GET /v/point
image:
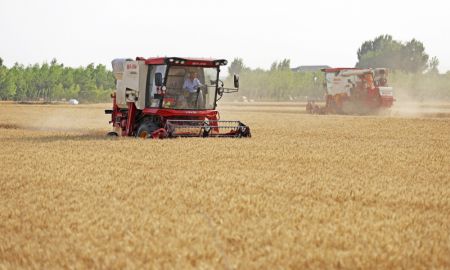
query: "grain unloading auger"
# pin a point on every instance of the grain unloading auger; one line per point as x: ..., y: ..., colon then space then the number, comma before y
x: 169, y: 97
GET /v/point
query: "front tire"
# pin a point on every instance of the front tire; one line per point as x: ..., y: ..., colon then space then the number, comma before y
x: 146, y: 129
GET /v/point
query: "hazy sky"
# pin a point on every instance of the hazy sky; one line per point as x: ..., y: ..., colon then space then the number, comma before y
x: 321, y: 32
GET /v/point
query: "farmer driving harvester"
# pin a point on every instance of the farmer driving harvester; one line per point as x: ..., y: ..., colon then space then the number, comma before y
x: 168, y: 97
x: 192, y: 90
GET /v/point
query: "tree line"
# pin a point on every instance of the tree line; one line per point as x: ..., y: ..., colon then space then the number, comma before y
x: 55, y: 82
x: 283, y: 84
x: 278, y: 83
x: 412, y: 73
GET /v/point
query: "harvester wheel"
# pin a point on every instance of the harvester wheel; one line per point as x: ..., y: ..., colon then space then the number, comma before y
x: 112, y: 134
x: 146, y: 129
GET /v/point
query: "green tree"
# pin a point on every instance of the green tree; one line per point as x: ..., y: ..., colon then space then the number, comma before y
x: 433, y: 65
x: 73, y: 91
x: 236, y: 66
x: 54, y: 82
x: 284, y: 64
x: 384, y: 51
x: 18, y: 72
x: 58, y: 91
x: 414, y: 56
x: 7, y: 84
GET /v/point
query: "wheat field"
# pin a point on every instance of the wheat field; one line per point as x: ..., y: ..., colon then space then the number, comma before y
x: 306, y: 191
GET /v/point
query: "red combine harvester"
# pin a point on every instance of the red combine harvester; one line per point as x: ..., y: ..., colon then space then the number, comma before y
x: 167, y: 97
x: 354, y: 91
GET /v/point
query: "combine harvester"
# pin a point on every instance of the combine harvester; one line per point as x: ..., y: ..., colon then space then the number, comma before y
x: 354, y: 91
x: 150, y: 102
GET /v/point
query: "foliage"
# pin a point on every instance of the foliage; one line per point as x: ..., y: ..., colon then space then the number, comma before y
x: 93, y: 83
x: 433, y: 65
x: 51, y: 82
x: 279, y: 83
x: 284, y: 64
x: 384, y: 51
x: 236, y: 66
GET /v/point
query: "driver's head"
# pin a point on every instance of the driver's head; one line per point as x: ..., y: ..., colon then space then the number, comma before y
x: 193, y: 75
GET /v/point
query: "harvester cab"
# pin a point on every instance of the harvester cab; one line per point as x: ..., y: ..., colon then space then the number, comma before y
x: 354, y: 90
x: 168, y: 97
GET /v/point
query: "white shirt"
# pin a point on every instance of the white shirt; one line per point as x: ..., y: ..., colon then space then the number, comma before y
x: 191, y: 85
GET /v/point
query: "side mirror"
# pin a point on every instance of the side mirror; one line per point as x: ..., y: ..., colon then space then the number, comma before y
x: 158, y: 79
x: 236, y: 80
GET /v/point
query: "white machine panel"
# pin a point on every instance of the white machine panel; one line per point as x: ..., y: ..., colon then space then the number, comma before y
x: 131, y: 82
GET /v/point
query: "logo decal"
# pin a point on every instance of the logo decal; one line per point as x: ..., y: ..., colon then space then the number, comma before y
x: 131, y: 66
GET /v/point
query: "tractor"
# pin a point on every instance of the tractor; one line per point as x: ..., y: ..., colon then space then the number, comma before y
x: 151, y: 101
x: 354, y: 91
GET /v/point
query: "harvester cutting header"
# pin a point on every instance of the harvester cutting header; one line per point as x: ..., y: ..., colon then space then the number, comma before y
x: 168, y: 97
x: 354, y: 90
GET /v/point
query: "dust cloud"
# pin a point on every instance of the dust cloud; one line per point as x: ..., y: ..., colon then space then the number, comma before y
x: 86, y: 119
x: 411, y: 106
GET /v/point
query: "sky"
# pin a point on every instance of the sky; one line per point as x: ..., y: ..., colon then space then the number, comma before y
x: 320, y: 32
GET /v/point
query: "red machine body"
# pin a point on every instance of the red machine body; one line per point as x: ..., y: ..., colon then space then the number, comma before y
x: 150, y: 100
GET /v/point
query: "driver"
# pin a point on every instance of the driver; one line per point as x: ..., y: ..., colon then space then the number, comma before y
x: 191, y: 83
x: 190, y: 86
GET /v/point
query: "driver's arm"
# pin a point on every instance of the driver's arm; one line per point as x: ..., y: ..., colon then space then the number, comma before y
x: 185, y: 86
x: 197, y: 81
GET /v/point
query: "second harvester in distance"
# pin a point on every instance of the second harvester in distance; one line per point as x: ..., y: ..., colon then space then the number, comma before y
x: 354, y: 91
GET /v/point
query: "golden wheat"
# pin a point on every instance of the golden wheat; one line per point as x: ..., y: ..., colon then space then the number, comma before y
x: 304, y: 192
